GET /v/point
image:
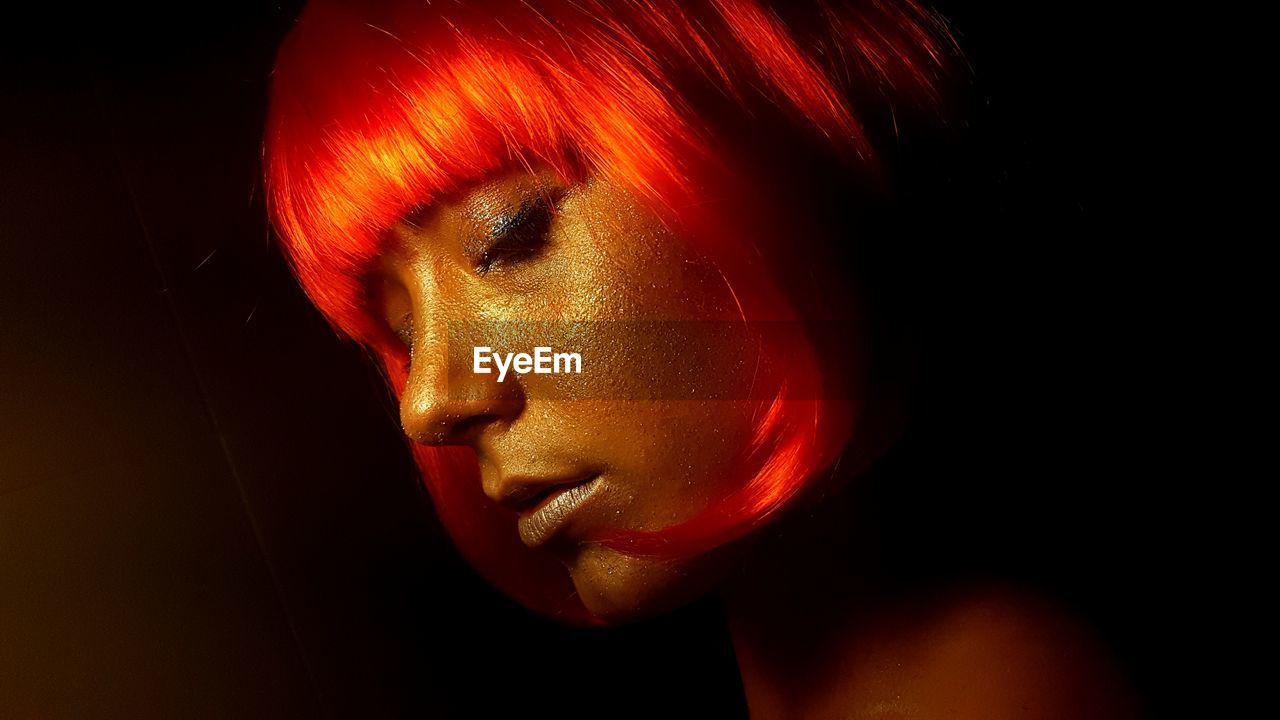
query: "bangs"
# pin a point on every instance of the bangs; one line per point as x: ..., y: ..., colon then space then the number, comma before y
x: 379, y: 108
x: 395, y: 117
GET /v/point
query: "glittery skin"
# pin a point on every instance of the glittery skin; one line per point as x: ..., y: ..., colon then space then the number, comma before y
x: 606, y: 257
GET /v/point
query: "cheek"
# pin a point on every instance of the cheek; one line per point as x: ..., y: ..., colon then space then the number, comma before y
x: 664, y: 461
x: 667, y: 382
x: 660, y: 401
x: 621, y: 262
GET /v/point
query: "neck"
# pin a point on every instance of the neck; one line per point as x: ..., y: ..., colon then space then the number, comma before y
x: 796, y: 608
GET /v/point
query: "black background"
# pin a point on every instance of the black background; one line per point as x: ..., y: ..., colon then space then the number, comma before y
x: 205, y: 507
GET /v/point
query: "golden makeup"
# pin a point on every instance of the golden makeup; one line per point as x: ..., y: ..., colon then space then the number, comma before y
x: 588, y: 457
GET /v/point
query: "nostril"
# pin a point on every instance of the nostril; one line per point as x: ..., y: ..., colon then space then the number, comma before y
x: 435, y: 418
x: 456, y: 432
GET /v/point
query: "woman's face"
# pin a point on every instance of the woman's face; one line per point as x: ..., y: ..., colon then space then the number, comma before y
x: 631, y: 442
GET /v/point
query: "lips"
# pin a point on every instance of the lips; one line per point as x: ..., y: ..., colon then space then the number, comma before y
x: 554, y: 510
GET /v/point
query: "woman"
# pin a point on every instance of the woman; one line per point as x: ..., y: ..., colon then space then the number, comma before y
x: 626, y: 267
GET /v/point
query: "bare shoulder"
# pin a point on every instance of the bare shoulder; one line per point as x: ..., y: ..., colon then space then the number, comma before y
x: 1000, y: 652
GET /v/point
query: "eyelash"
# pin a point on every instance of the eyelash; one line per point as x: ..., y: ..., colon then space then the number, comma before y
x: 517, y: 237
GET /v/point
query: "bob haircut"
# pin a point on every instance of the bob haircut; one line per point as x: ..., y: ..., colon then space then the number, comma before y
x: 381, y: 107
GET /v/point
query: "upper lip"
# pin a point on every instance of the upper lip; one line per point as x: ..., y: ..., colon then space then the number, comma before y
x: 524, y: 494
x: 537, y: 500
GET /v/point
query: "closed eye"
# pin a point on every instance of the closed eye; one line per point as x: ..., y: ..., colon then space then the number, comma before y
x: 518, y: 237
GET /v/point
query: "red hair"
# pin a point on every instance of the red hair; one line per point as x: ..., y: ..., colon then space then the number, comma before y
x: 378, y: 108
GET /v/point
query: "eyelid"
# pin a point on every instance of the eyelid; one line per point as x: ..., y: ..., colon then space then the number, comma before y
x: 532, y: 198
x: 545, y: 200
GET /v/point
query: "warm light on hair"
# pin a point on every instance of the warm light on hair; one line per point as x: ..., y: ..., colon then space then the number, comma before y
x: 381, y: 107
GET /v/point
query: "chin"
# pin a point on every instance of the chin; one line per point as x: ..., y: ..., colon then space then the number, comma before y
x: 618, y: 588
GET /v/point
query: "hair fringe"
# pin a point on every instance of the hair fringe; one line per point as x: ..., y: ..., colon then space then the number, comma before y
x: 381, y: 107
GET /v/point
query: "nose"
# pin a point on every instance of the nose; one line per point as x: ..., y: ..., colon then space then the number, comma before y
x: 443, y: 405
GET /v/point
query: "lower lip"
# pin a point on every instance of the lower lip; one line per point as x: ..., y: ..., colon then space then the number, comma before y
x: 544, y: 523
